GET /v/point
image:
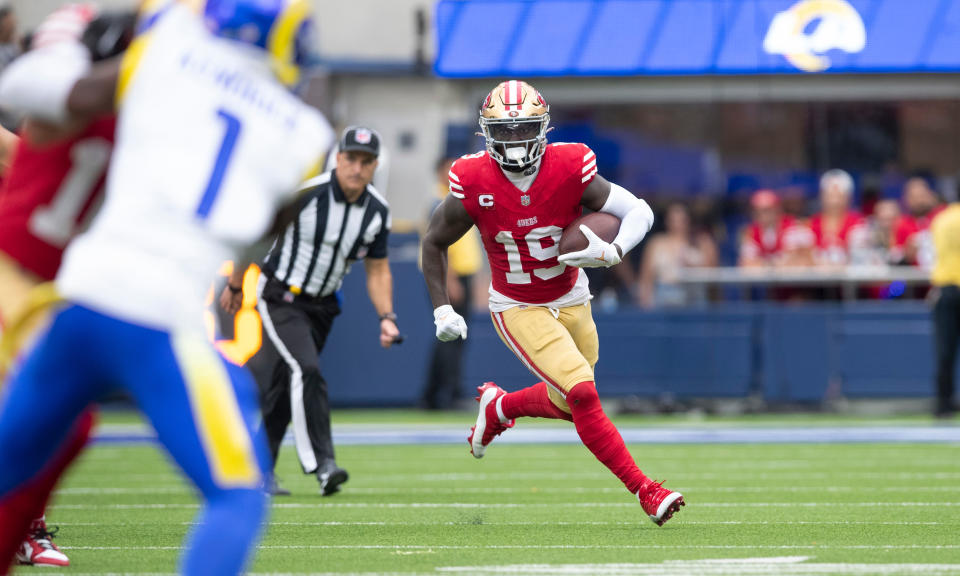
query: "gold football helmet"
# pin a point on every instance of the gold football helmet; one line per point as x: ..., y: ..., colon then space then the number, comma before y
x: 514, y: 119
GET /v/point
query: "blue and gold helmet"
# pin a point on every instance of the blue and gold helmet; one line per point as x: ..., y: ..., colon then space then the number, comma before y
x: 282, y: 28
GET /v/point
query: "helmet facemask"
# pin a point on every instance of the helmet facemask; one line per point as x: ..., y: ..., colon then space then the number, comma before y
x: 516, y: 143
x: 514, y: 120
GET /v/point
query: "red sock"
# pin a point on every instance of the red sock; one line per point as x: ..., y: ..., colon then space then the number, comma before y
x: 18, y: 510
x: 21, y: 508
x: 601, y: 436
x: 533, y: 401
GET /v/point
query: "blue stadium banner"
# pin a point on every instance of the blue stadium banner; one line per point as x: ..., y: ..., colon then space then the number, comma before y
x: 481, y: 38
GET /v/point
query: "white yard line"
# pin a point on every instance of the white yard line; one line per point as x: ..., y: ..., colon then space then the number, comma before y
x: 716, y: 568
x: 338, y: 523
x: 557, y: 547
x: 629, y: 523
x: 772, y: 566
x: 733, y: 567
x: 366, y: 434
x: 625, y: 504
x: 184, y: 489
x: 676, y: 476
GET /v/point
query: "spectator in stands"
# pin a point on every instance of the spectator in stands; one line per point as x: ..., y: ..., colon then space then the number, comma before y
x: 837, y: 229
x: 669, y: 252
x: 465, y: 259
x: 773, y: 238
x: 922, y: 204
x: 793, y: 202
x: 885, y: 241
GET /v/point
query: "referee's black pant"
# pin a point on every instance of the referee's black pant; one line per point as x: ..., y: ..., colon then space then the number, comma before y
x: 946, y: 329
x: 287, y: 371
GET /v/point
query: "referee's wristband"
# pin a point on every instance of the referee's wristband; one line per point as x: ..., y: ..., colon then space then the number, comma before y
x: 389, y: 316
x: 234, y: 289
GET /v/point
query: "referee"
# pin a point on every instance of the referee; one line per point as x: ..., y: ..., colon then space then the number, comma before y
x: 946, y: 312
x: 341, y: 219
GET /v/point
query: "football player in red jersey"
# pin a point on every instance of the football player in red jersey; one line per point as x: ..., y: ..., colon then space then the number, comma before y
x: 521, y: 193
x: 50, y: 189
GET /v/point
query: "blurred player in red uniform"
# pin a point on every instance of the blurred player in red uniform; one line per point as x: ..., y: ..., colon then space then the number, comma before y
x: 521, y: 193
x: 773, y: 238
x: 837, y: 229
x: 51, y: 188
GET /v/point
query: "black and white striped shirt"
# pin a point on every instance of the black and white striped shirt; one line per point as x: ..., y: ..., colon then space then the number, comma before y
x: 329, y: 234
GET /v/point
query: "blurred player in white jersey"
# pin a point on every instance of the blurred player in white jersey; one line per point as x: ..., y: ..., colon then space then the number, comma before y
x: 210, y: 143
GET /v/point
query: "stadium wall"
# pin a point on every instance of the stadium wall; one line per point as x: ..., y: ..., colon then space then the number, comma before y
x: 373, y: 30
x: 785, y: 354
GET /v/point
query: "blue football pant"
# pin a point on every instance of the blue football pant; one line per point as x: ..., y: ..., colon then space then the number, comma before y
x: 203, y: 409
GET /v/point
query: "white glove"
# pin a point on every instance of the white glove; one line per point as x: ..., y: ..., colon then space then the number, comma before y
x: 597, y: 254
x: 450, y: 325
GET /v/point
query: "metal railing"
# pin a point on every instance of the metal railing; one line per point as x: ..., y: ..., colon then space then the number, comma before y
x: 848, y: 278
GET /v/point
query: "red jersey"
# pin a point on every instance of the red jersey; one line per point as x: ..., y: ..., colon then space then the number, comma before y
x: 769, y: 243
x: 48, y: 193
x: 834, y: 247
x: 916, y: 230
x: 905, y: 228
x: 521, y: 230
x: 921, y: 223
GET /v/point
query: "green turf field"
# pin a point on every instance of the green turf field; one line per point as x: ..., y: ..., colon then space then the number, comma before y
x: 546, y: 509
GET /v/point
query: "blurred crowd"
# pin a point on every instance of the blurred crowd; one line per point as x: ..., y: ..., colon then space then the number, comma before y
x: 885, y: 232
x: 784, y: 230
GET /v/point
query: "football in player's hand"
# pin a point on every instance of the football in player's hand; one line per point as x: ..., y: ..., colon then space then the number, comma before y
x: 604, y: 225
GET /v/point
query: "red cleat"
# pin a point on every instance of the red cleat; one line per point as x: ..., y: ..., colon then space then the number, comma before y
x: 658, y: 502
x: 489, y: 424
x: 39, y: 550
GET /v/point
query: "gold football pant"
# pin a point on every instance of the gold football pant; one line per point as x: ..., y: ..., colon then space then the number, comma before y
x: 15, y: 287
x: 558, y: 345
x: 24, y: 307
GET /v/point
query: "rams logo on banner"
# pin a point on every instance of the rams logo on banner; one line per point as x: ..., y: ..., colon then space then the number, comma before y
x: 836, y: 26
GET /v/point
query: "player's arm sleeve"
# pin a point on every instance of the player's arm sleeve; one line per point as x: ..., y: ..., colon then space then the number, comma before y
x: 456, y: 187
x: 150, y: 14
x: 588, y: 165
x: 38, y: 84
x: 379, y: 247
x: 322, y: 157
x: 315, y: 137
x: 636, y: 217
